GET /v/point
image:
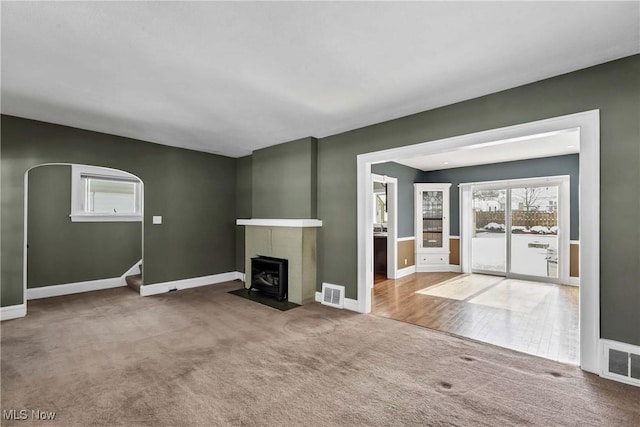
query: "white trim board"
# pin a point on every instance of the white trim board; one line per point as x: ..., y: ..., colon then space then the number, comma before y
x: 589, y: 124
x: 452, y: 268
x: 73, y: 288
x: 266, y: 222
x: 405, y: 239
x: 13, y: 312
x: 193, y: 282
x: 349, y: 304
x: 403, y: 272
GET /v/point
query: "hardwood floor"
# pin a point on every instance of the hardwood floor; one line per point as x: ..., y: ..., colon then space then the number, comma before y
x: 379, y: 278
x: 535, y: 318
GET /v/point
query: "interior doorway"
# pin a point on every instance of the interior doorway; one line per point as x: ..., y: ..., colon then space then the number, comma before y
x: 587, y: 124
x: 83, y: 229
x: 384, y: 195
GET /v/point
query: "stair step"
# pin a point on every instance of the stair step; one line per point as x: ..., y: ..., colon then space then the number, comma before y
x: 134, y: 282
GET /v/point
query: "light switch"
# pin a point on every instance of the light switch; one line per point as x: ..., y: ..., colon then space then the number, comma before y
x: 157, y: 219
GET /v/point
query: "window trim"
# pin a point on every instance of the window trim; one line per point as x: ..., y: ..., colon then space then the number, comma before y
x: 78, y: 213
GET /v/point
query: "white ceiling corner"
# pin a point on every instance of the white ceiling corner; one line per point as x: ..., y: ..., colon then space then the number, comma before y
x: 231, y: 77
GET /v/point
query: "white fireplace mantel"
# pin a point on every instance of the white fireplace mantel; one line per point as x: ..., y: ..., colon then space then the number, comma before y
x: 265, y: 222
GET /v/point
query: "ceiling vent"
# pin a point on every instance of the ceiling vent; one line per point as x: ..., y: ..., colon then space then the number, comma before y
x: 621, y: 362
x: 332, y: 295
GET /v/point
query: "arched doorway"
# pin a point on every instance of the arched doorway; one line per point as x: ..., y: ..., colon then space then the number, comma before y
x: 83, y: 228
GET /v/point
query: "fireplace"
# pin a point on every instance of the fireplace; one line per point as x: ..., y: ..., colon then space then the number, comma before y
x: 269, y: 275
x: 290, y: 239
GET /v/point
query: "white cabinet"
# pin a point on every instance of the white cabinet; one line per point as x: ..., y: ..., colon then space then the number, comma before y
x: 432, y: 227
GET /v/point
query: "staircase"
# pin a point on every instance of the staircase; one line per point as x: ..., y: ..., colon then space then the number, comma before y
x: 133, y: 277
x: 134, y: 282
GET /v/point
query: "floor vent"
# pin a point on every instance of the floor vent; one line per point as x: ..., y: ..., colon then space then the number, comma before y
x: 621, y: 362
x: 332, y: 295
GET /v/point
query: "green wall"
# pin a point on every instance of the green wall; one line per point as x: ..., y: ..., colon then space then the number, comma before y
x: 194, y: 192
x: 613, y: 88
x: 285, y: 180
x: 244, y: 172
x: 61, y: 251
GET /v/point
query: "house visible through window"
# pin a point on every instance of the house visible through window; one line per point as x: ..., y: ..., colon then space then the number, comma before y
x: 100, y: 194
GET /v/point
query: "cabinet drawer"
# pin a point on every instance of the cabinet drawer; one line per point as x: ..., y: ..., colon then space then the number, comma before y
x: 427, y: 259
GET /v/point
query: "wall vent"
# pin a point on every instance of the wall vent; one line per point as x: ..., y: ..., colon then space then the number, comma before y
x: 332, y: 295
x: 621, y: 362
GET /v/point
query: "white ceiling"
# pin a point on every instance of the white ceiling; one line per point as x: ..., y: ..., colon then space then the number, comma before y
x: 532, y: 147
x: 232, y: 77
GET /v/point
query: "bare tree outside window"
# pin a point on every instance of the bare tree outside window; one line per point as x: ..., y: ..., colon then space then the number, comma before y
x: 528, y: 198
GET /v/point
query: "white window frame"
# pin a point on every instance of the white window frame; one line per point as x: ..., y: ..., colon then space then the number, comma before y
x: 564, y: 224
x: 78, y: 213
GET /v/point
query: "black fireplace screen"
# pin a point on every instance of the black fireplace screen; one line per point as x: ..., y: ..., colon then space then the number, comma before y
x: 269, y: 275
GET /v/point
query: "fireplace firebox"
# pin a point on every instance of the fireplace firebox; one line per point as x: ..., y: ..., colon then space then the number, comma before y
x: 269, y: 275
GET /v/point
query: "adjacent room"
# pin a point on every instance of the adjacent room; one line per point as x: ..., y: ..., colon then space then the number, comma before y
x: 509, y: 279
x: 320, y: 213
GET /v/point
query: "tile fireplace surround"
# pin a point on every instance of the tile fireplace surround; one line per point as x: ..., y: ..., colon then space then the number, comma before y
x: 292, y: 239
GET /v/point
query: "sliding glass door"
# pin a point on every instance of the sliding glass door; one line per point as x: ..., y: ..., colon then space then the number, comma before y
x: 534, y: 231
x: 514, y: 227
x: 489, y: 241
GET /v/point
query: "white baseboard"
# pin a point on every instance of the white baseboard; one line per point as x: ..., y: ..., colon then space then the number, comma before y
x: 135, y: 269
x: 438, y: 268
x: 13, y: 312
x: 455, y: 268
x: 349, y: 304
x: 73, y: 288
x: 193, y: 282
x: 405, y: 271
x: 574, y: 281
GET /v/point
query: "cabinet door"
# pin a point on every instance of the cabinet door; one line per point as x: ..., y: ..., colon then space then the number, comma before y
x: 433, y: 218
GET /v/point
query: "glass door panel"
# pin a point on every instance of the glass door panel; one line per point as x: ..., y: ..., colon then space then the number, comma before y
x: 489, y: 241
x: 534, y: 231
x: 432, y: 219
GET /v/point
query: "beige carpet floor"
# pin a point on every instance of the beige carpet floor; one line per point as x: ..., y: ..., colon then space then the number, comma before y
x: 203, y: 357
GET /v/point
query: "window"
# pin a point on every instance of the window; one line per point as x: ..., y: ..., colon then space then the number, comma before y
x: 103, y: 195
